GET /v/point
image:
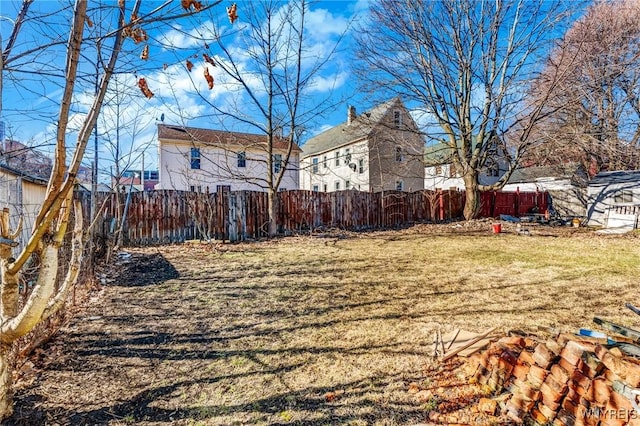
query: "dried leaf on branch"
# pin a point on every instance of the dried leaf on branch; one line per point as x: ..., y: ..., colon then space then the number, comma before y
x: 89, y: 22
x: 189, y: 65
x: 142, y: 84
x: 208, y: 77
x: 187, y: 4
x: 139, y: 35
x: 232, y: 13
x: 208, y: 59
x: 145, y: 53
x: 134, y: 31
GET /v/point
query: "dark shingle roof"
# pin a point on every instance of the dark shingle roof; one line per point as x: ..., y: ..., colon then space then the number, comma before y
x: 346, y: 133
x: 528, y: 174
x: 619, y: 176
x: 220, y: 137
x: 26, y: 176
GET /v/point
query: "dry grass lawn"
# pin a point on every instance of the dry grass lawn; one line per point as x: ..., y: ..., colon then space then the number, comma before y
x: 311, y: 330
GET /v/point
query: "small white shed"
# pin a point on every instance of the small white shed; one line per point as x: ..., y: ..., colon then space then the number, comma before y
x: 565, y: 183
x: 23, y: 195
x: 616, y: 192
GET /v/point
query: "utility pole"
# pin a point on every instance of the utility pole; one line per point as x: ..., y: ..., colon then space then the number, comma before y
x: 2, y: 55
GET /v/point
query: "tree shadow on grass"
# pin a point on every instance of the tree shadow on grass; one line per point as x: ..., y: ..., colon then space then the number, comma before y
x: 143, y: 406
x: 125, y: 338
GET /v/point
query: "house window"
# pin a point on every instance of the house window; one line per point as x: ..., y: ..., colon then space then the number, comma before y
x: 492, y: 168
x: 277, y: 163
x: 337, y: 158
x: 398, y: 153
x: 195, y: 158
x: 438, y: 170
x: 195, y: 188
x: 399, y: 185
x: 150, y: 175
x: 324, y: 187
x: 622, y: 197
x: 347, y: 156
x: 399, y: 157
x: 361, y: 166
x: 397, y: 118
x: 242, y: 159
x: 452, y: 170
x: 337, y: 185
x: 324, y: 161
x: 347, y: 184
x: 315, y: 188
x: 314, y: 167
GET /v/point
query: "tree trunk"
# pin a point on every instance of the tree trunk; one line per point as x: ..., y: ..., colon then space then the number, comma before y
x: 6, y: 392
x: 10, y: 291
x: 272, y: 201
x: 472, y: 196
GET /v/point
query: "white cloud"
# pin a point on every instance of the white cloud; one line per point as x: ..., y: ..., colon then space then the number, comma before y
x: 321, y: 24
x: 179, y: 38
x: 426, y: 122
x: 321, y: 129
x: 327, y: 84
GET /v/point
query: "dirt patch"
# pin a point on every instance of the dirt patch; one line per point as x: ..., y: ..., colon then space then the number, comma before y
x: 332, y: 328
x: 140, y: 269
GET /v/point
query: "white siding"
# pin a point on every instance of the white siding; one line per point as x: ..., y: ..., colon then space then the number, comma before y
x: 219, y: 167
x: 439, y: 178
x: 602, y: 198
x: 328, y: 174
x: 24, y: 199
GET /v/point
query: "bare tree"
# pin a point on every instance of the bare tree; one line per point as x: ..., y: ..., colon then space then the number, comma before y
x: 594, y: 108
x: 49, y: 293
x: 467, y: 64
x: 121, y: 127
x: 269, y: 72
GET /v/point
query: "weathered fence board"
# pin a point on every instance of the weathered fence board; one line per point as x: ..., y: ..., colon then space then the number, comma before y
x: 160, y: 217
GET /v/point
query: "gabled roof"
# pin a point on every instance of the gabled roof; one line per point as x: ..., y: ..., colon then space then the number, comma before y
x: 220, y: 138
x: 559, y: 171
x: 616, y: 177
x: 437, y: 154
x: 29, y: 178
x: 346, y: 133
x: 440, y: 152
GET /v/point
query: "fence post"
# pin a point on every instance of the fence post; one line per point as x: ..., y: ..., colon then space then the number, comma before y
x: 233, y: 213
x: 441, y: 205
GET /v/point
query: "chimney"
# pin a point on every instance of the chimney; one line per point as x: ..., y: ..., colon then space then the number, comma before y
x: 351, y: 114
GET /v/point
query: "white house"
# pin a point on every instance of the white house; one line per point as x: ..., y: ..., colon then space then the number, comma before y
x: 192, y: 159
x: 440, y: 171
x: 617, y: 191
x: 378, y: 150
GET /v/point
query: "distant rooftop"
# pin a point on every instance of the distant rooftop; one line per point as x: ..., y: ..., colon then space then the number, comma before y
x: 616, y: 177
x: 354, y: 128
x: 219, y: 137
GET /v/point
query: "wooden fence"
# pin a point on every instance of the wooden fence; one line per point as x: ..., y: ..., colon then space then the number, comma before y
x: 160, y: 217
x: 496, y: 203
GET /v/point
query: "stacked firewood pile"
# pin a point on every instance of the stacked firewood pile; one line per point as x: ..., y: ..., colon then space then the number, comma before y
x: 567, y: 380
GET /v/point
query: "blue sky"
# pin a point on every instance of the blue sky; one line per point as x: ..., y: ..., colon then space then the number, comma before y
x: 29, y: 107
